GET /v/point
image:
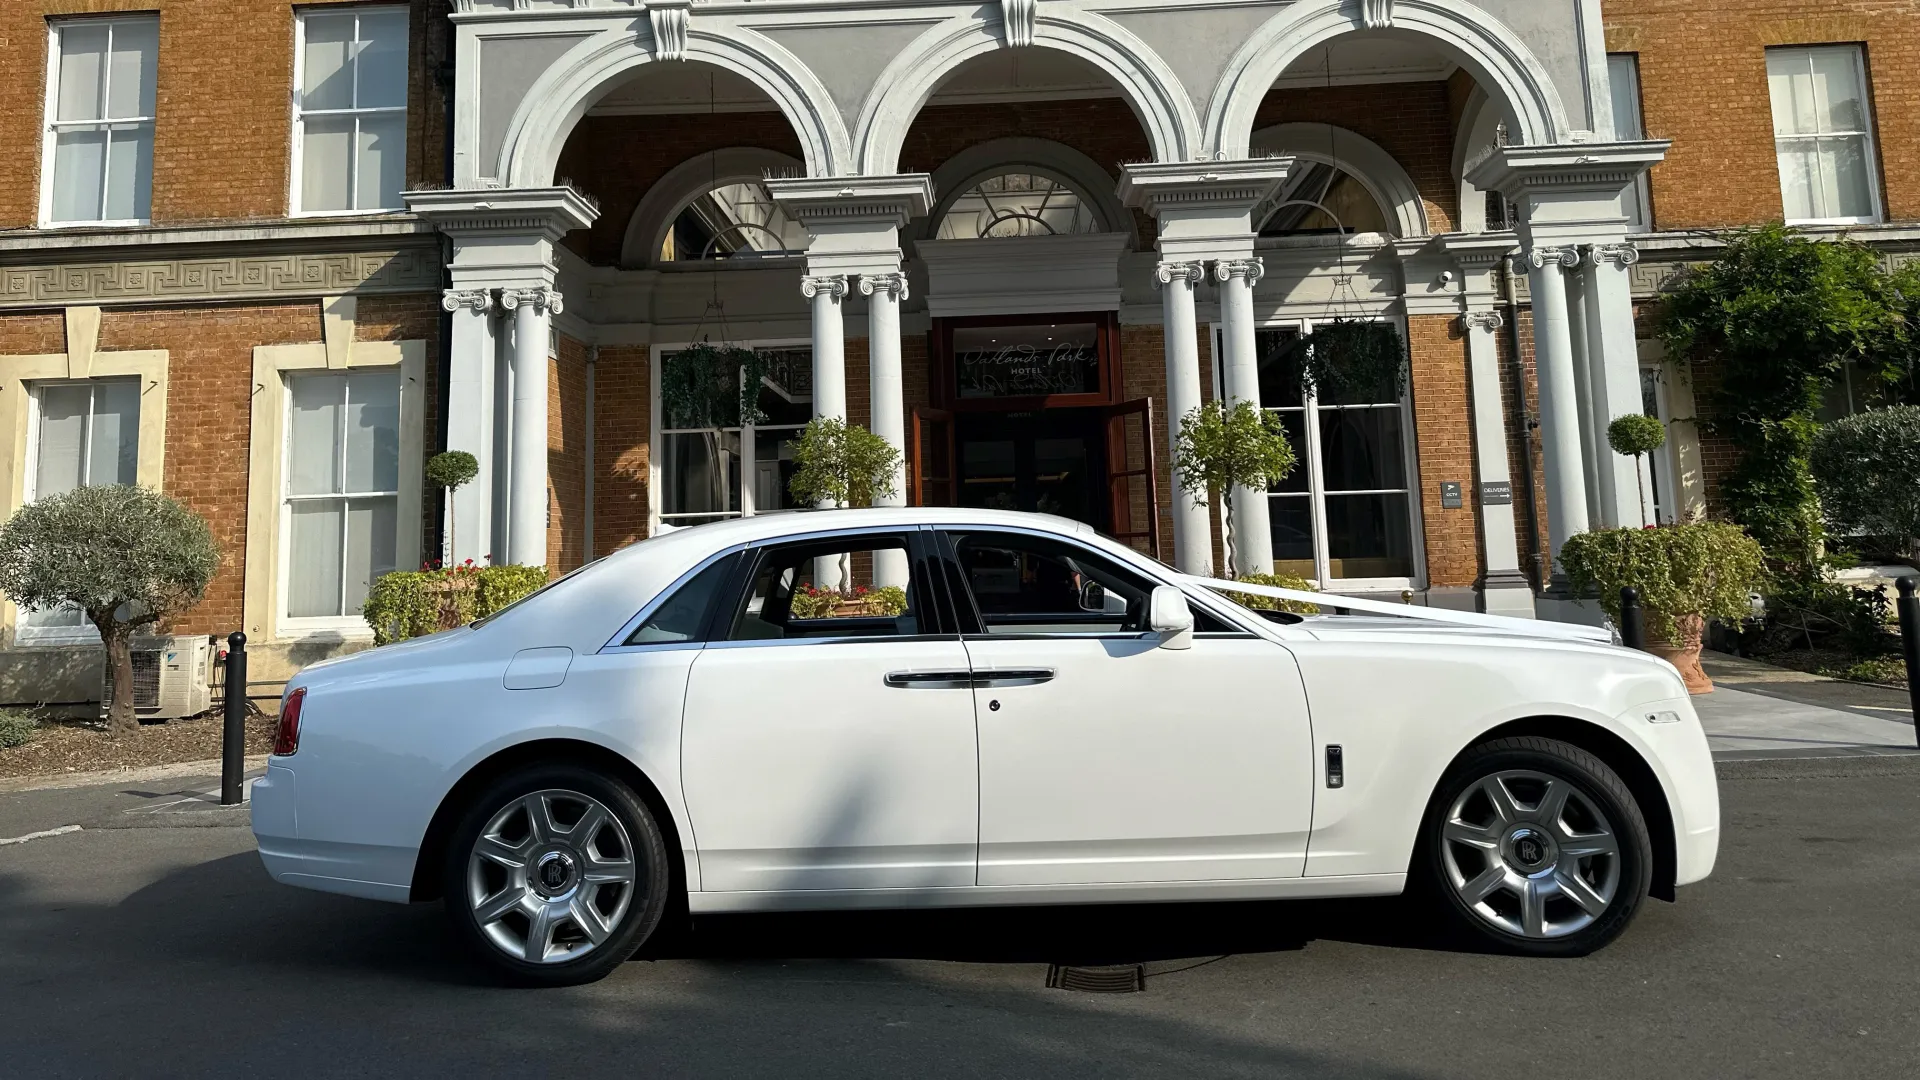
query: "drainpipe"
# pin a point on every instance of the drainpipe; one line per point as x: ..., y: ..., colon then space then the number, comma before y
x: 1527, y: 423
x: 593, y: 361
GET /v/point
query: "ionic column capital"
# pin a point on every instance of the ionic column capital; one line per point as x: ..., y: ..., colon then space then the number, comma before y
x: 894, y: 284
x: 477, y: 301
x: 1620, y: 255
x: 540, y: 298
x: 1251, y: 269
x: 1567, y: 257
x: 1169, y: 272
x: 1488, y: 320
x: 833, y: 285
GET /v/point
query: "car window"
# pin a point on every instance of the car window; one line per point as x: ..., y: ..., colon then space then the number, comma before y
x: 683, y: 615
x: 829, y: 589
x: 1032, y: 585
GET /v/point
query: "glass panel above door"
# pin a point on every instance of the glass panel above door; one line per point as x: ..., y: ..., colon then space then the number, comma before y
x: 1023, y: 361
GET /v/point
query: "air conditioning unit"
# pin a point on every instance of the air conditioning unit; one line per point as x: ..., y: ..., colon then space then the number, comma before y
x: 172, y: 677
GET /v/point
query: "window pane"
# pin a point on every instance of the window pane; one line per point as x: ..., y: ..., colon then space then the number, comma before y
x: 696, y: 394
x: 1798, y: 165
x: 78, y: 160
x: 1018, y: 204
x: 383, y: 60
x: 63, y: 432
x: 1623, y: 81
x: 1362, y: 449
x: 326, y: 164
x: 1291, y: 524
x: 326, y: 77
x: 786, y: 390
x: 1296, y: 425
x: 1836, y: 87
x: 1843, y: 177
x: 383, y: 161
x: 64, y: 617
x: 700, y: 473
x: 373, y: 432
x: 1031, y: 586
x: 313, y: 560
x: 773, y: 468
x: 817, y: 590
x: 681, y: 617
x: 129, y: 173
x: 313, y: 449
x: 1790, y: 85
x: 115, y: 438
x: 83, y: 61
x: 1369, y: 536
x: 372, y: 540
x: 1281, y: 359
x: 130, y: 78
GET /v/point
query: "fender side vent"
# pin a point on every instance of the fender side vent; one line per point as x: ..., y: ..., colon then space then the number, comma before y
x: 1124, y: 979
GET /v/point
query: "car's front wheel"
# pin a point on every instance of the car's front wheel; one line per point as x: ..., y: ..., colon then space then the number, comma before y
x: 556, y: 874
x: 1535, y: 846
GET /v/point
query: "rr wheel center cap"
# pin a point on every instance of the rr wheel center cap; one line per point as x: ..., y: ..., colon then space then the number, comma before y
x: 555, y: 874
x: 1530, y: 849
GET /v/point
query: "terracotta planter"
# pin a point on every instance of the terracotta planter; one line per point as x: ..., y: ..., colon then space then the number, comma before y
x: 1684, y: 652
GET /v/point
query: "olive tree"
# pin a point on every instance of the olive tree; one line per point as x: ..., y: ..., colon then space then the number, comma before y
x: 837, y: 464
x: 126, y: 556
x: 1222, y: 447
x: 1867, y: 469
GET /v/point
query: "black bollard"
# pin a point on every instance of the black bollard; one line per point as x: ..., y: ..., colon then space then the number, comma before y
x: 1910, y: 644
x: 233, y: 737
x: 1633, y: 621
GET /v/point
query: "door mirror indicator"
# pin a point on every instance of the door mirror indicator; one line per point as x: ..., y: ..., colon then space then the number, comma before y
x: 1169, y: 616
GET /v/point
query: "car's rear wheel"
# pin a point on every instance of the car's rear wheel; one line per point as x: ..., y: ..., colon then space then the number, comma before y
x: 556, y: 874
x: 1535, y: 846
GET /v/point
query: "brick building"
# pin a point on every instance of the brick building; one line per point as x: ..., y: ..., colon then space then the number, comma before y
x: 270, y: 257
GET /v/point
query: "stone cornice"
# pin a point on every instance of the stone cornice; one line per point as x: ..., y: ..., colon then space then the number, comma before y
x: 884, y: 200
x: 1514, y: 171
x: 1227, y: 185
x: 552, y: 212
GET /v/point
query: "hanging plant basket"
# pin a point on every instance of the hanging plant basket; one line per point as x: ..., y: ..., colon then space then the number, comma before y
x: 1354, y: 362
x: 712, y: 386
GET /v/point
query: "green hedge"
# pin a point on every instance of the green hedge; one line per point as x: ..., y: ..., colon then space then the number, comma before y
x: 415, y: 603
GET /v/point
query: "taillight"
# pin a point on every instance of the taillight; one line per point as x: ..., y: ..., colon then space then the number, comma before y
x: 286, y: 737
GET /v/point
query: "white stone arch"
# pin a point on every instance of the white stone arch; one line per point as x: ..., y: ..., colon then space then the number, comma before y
x: 1475, y: 139
x: 1061, y: 162
x: 1362, y: 158
x: 685, y: 182
x: 1146, y: 82
x: 561, y: 96
x: 1498, y: 61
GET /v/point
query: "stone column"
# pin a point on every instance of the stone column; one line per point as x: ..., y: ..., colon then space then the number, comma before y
x: 829, y: 344
x: 1559, y: 406
x: 1590, y: 460
x: 1252, y: 537
x: 889, y: 421
x: 469, y: 522
x: 1192, y: 529
x: 1504, y: 587
x: 533, y: 310
x: 1613, y: 378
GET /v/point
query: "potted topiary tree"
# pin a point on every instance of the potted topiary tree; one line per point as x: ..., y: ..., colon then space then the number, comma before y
x: 126, y: 556
x: 1686, y: 574
x: 837, y: 464
x: 1633, y: 435
x: 1222, y: 447
x: 451, y: 470
x: 1867, y: 470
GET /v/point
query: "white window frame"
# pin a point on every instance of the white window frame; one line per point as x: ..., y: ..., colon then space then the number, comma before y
x: 288, y: 499
x: 1866, y: 134
x: 656, y: 494
x: 296, y: 175
x: 1631, y: 128
x: 51, y: 126
x: 1316, y: 495
x: 84, y: 634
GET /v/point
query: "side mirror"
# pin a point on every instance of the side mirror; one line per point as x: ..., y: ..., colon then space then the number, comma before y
x: 1169, y: 616
x: 1093, y: 596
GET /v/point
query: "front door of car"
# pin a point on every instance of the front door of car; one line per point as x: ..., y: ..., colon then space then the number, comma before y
x: 1107, y: 758
x: 829, y: 735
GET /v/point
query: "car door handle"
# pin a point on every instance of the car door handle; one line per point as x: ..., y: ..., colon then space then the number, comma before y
x: 930, y: 680
x: 996, y: 677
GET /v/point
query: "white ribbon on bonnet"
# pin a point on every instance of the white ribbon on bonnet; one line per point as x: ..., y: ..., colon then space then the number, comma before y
x: 1501, y: 623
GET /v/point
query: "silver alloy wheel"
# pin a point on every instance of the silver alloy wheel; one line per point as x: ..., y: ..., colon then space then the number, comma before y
x: 550, y: 876
x: 1530, y: 854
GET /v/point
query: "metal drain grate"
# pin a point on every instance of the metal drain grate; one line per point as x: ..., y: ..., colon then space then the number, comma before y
x: 1124, y: 979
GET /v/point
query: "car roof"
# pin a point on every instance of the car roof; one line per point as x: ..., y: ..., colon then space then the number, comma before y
x: 719, y: 535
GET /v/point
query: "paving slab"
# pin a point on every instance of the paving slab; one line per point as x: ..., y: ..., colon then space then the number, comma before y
x: 1757, y: 709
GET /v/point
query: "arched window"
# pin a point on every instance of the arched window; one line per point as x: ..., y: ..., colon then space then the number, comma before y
x: 1322, y: 199
x: 1018, y: 204
x: 733, y: 222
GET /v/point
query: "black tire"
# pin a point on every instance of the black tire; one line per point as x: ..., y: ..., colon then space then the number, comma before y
x: 1440, y: 862
x: 647, y: 896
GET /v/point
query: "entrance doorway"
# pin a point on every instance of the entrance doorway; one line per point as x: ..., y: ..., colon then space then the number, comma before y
x: 1048, y: 461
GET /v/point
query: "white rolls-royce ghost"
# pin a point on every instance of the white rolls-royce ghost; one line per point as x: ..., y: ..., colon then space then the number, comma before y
x: 934, y: 707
